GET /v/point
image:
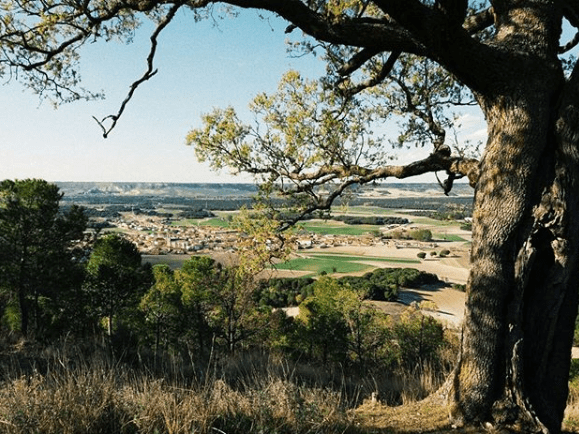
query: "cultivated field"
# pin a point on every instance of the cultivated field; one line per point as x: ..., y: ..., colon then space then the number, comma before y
x: 357, y: 259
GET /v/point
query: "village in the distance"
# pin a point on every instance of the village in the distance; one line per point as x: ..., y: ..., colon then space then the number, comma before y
x: 149, y: 213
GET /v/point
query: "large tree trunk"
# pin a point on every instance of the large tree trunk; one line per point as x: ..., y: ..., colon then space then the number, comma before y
x: 522, y: 292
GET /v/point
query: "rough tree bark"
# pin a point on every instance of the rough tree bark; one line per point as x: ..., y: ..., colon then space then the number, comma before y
x: 522, y: 290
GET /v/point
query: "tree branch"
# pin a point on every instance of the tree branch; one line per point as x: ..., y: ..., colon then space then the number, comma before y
x: 149, y: 73
x: 472, y: 24
x: 382, y: 34
x: 412, y: 15
x: 456, y: 167
x: 571, y: 12
x: 378, y: 78
x: 435, y: 162
x: 357, y: 61
x: 480, y: 21
x: 445, y: 42
x: 454, y: 10
x: 570, y: 45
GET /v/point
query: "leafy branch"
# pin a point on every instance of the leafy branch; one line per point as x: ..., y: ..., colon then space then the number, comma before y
x: 311, y: 143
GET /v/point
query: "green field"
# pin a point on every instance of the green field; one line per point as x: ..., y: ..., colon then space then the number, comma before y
x: 448, y: 237
x: 216, y: 222
x: 317, y: 263
x: 323, y: 228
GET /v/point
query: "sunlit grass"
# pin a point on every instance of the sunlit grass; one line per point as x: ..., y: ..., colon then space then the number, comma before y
x: 337, y: 263
x: 100, y: 396
x: 334, y: 229
x: 448, y: 237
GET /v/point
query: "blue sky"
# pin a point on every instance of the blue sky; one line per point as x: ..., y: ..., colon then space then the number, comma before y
x: 201, y: 65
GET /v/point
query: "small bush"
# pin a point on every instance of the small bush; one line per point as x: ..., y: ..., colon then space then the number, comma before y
x: 282, y: 292
x: 383, y: 284
x: 421, y: 255
x: 466, y: 226
x: 433, y: 253
x: 421, y: 235
x: 419, y: 337
x: 395, y: 235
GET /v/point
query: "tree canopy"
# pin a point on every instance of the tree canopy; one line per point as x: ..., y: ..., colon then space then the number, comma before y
x: 311, y: 141
x: 36, y: 241
x: 116, y: 278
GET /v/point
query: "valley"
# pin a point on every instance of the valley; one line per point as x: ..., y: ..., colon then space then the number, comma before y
x: 160, y: 220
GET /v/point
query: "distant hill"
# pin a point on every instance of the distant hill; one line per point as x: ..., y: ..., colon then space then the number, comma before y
x: 155, y: 189
x: 238, y: 190
x: 196, y: 196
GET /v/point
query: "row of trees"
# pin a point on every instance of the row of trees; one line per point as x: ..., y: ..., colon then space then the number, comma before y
x: 37, y: 271
x: 381, y: 284
x: 204, y: 306
x: 50, y: 286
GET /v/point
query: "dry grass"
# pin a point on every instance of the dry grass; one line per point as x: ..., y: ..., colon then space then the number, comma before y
x: 96, y: 396
x: 571, y: 421
x: 59, y: 393
x: 93, y: 396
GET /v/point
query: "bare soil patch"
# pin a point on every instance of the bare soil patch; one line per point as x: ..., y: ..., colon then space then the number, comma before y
x: 427, y: 416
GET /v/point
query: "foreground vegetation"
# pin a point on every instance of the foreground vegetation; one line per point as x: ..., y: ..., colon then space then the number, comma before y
x: 62, y: 389
x: 99, y: 342
x: 68, y: 389
x: 100, y: 397
x: 120, y: 346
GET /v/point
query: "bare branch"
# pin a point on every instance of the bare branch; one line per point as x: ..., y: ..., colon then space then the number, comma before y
x: 477, y: 22
x: 378, y: 78
x: 357, y: 61
x: 455, y: 167
x: 425, y: 115
x: 149, y: 73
